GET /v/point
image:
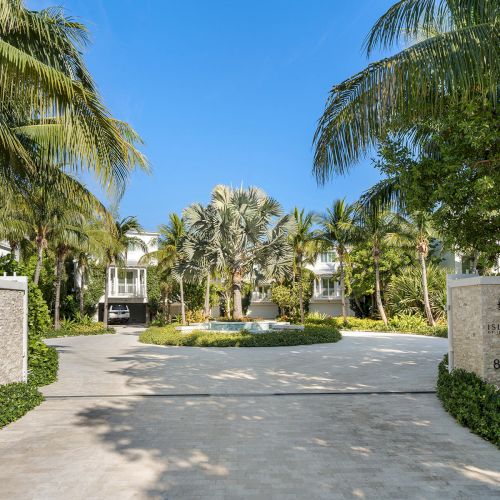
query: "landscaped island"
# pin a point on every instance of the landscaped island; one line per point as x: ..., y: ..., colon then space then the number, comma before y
x: 312, y: 334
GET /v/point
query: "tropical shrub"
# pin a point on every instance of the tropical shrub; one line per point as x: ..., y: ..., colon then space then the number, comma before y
x: 16, y: 400
x: 472, y: 401
x: 73, y: 328
x: 311, y: 335
x: 405, y: 296
x: 43, y: 362
x: 38, y: 312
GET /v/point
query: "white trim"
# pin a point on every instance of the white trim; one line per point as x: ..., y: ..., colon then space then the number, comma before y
x: 458, y: 280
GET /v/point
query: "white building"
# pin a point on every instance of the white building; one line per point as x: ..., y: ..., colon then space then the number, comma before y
x: 128, y: 284
x: 326, y: 291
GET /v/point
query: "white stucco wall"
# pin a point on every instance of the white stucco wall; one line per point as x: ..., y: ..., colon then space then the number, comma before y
x: 265, y: 310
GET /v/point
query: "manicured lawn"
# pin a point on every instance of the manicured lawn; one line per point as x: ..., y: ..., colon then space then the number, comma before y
x: 313, y: 334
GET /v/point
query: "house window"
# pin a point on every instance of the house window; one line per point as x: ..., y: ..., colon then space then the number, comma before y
x: 327, y: 256
x: 327, y: 287
x: 126, y: 281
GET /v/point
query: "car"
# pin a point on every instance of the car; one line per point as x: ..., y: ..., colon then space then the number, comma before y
x: 119, y: 313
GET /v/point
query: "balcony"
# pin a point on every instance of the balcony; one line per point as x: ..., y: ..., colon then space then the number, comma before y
x: 326, y: 288
x: 261, y: 294
x: 127, y: 283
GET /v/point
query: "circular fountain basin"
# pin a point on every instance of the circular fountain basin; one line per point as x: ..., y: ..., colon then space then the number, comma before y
x: 236, y: 326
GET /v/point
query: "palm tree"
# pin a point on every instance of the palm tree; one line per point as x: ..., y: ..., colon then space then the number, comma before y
x: 378, y: 227
x: 339, y: 230
x: 43, y: 205
x: 200, y: 246
x: 249, y: 232
x: 51, y: 111
x: 306, y: 244
x: 418, y: 227
x: 168, y: 254
x: 455, y: 54
x: 120, y: 238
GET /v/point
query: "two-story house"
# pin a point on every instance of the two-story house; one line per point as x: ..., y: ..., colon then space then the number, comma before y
x: 325, y: 297
x: 127, y: 284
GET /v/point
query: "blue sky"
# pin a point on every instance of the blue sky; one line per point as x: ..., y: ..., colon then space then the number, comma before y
x: 225, y: 92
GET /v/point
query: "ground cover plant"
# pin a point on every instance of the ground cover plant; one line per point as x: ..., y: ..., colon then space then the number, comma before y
x: 73, y: 329
x: 472, y: 401
x: 312, y: 334
x: 398, y: 324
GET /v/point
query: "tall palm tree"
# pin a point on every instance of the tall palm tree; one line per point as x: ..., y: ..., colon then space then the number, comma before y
x: 378, y: 227
x: 51, y: 111
x: 249, y: 231
x: 169, y: 252
x: 339, y: 230
x: 418, y: 226
x: 200, y: 246
x: 453, y: 54
x: 44, y: 205
x: 306, y: 244
x: 121, y: 236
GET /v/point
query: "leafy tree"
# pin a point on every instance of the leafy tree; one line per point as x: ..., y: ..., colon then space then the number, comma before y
x: 452, y: 55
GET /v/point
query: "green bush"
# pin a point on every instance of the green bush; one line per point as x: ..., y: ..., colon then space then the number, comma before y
x: 43, y: 362
x: 38, y: 311
x: 472, y: 401
x: 399, y: 324
x: 16, y: 400
x: 71, y: 328
x: 169, y: 336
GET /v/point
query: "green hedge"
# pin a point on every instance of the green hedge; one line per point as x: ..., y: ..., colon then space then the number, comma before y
x: 43, y: 362
x: 169, y: 336
x: 16, y: 400
x: 472, y: 401
x: 75, y: 329
x: 401, y: 324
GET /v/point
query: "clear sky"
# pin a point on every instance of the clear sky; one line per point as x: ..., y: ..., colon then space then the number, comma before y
x: 225, y: 91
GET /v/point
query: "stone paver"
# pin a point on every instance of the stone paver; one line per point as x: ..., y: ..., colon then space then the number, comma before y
x: 132, y: 421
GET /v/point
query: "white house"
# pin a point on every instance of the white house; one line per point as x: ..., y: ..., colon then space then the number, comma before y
x: 128, y: 284
x: 326, y: 291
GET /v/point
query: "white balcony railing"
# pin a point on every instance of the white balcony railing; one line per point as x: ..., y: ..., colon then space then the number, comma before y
x: 261, y: 297
x: 127, y: 283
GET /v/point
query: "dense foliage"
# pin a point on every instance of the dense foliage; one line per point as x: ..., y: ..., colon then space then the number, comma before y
x: 75, y: 328
x: 472, y: 401
x: 16, y: 400
x: 312, y: 334
x: 405, y: 296
x: 43, y: 362
x: 397, y: 324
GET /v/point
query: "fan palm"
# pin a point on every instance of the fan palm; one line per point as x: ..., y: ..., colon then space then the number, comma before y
x: 455, y: 54
x: 50, y: 111
x: 339, y: 231
x: 306, y: 244
x: 248, y: 231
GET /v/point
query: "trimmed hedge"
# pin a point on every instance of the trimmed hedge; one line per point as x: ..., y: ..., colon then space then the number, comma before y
x: 75, y: 329
x: 398, y: 324
x: 16, y: 400
x: 169, y: 336
x: 43, y: 362
x: 472, y: 401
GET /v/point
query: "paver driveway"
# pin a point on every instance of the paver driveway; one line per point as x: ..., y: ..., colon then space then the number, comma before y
x: 126, y: 420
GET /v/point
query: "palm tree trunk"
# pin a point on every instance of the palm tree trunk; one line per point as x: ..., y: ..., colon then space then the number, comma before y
x: 167, y: 300
x: 237, y: 306
x: 378, y: 297
x: 207, y: 297
x: 342, y: 288
x: 38, y: 268
x: 57, y: 300
x: 81, y: 295
x: 301, y: 292
x: 425, y: 289
x: 106, y: 294
x: 183, y: 307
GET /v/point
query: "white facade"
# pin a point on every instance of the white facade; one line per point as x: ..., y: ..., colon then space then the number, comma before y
x: 127, y: 284
x: 326, y: 291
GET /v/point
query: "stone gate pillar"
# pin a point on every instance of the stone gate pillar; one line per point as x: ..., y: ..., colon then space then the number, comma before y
x: 474, y: 325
